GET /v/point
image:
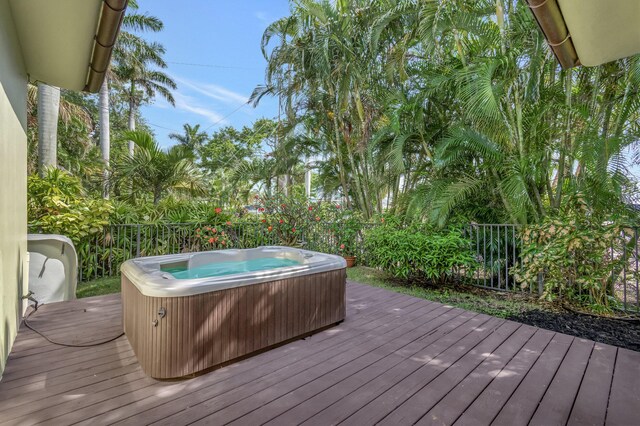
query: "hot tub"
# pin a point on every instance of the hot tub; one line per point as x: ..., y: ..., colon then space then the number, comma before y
x: 192, y: 312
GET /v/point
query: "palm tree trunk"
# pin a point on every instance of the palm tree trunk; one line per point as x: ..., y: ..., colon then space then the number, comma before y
x: 105, y: 137
x: 343, y: 180
x: 48, y: 108
x: 356, y: 178
x: 132, y: 124
x: 565, y: 151
x: 500, y: 19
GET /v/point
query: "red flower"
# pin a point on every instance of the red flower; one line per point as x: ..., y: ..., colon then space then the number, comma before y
x: 261, y: 209
x: 310, y: 208
x: 223, y: 242
x: 337, y: 206
x: 210, y: 240
x: 218, y: 210
x: 264, y: 220
x: 341, y: 246
x: 270, y: 228
x: 294, y: 229
x: 214, y: 230
x: 228, y: 223
x: 281, y: 221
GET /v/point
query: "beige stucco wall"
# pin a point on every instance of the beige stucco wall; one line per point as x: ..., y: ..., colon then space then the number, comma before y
x: 13, y: 181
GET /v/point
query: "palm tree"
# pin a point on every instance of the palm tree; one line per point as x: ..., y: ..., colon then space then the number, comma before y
x: 522, y: 134
x: 157, y: 171
x: 192, y: 138
x: 125, y: 43
x: 325, y: 66
x: 252, y: 172
x: 48, y: 107
x: 136, y: 68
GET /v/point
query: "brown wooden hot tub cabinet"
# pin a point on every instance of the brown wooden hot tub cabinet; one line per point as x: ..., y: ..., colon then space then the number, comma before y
x: 179, y: 336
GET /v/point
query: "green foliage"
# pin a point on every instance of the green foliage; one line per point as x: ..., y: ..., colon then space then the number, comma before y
x: 286, y: 216
x: 450, y: 108
x: 157, y: 171
x: 58, y: 205
x: 345, y: 226
x: 579, y: 254
x: 171, y: 209
x: 415, y: 252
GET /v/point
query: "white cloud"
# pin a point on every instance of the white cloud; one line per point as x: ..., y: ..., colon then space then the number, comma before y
x: 214, y: 91
x: 262, y: 17
x: 189, y: 104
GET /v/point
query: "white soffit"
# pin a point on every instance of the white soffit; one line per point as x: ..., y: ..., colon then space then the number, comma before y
x: 56, y: 38
x: 603, y: 30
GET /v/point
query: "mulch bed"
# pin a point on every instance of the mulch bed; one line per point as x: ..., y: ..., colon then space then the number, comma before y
x: 625, y: 334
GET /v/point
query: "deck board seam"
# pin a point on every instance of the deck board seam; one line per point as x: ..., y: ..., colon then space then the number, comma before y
x: 575, y: 397
x: 613, y: 372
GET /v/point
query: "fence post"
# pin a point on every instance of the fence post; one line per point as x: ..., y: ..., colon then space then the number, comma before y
x: 138, y: 242
x: 540, y: 283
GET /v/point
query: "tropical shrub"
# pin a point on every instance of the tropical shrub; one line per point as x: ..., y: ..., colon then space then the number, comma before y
x: 170, y: 210
x: 286, y: 216
x: 211, y: 238
x: 157, y: 171
x: 345, y: 226
x: 579, y: 255
x: 57, y: 204
x: 416, y: 252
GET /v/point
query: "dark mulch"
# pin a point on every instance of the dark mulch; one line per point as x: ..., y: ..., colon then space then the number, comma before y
x: 625, y: 334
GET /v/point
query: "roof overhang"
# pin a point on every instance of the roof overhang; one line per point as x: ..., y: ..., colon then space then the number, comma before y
x: 67, y: 43
x: 589, y: 32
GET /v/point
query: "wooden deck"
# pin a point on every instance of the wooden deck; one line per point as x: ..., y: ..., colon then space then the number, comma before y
x: 395, y: 360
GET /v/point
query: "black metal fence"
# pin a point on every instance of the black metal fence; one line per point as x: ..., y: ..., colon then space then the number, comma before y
x: 102, y: 254
x: 496, y: 248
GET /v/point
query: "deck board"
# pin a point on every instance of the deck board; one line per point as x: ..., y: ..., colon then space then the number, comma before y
x: 395, y: 360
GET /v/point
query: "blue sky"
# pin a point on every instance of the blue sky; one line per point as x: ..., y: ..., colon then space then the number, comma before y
x: 224, y: 35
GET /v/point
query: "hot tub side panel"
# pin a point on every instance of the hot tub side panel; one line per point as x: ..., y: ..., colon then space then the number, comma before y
x: 205, y: 330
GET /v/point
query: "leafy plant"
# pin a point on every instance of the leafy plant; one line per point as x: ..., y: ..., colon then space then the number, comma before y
x: 58, y: 205
x: 286, y: 216
x: 415, y: 252
x: 157, y: 171
x: 579, y: 254
x: 346, y: 226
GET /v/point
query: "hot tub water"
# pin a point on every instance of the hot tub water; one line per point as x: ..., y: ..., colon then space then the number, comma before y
x: 227, y: 268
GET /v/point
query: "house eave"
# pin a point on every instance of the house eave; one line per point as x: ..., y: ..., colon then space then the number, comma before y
x: 67, y: 43
x: 589, y: 32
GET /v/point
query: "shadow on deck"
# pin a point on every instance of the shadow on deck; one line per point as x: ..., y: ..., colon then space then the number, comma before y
x: 395, y: 360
